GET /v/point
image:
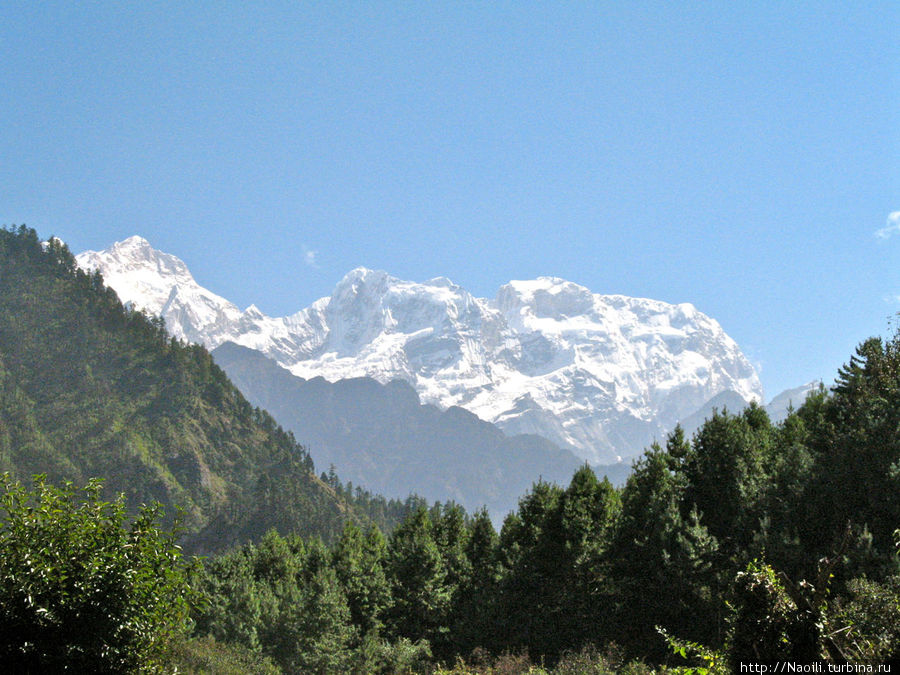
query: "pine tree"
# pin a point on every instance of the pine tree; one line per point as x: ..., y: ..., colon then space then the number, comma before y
x: 474, y: 612
x: 660, y: 563
x: 418, y: 580
x: 726, y: 474
x: 589, y: 510
x: 358, y: 561
x: 533, y: 545
x: 316, y: 633
x: 858, y: 445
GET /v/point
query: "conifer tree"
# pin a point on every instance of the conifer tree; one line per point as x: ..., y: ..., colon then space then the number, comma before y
x: 315, y: 633
x: 726, y: 475
x: 660, y: 562
x: 589, y: 511
x: 474, y: 614
x: 418, y: 580
x: 533, y: 544
x: 857, y: 443
x: 358, y: 561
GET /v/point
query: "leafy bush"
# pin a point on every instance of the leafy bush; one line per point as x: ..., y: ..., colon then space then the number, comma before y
x: 83, y: 590
x: 590, y: 661
x: 401, y: 657
x: 205, y: 655
x: 872, y: 616
x: 587, y: 661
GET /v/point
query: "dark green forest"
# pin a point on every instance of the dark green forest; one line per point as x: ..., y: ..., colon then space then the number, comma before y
x: 747, y: 543
x: 90, y: 389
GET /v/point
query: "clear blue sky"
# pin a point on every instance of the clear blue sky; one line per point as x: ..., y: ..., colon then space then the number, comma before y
x: 739, y: 156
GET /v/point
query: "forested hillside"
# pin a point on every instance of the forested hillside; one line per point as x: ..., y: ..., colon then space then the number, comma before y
x: 90, y: 389
x: 749, y: 543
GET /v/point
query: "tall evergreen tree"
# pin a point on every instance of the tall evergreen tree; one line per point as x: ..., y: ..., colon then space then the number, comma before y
x: 358, y: 561
x: 726, y: 475
x: 533, y: 545
x: 418, y: 580
x: 315, y: 633
x: 474, y: 612
x: 590, y: 509
x: 857, y: 444
x: 660, y: 562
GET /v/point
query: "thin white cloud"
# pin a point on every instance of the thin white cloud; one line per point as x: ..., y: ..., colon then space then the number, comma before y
x: 309, y: 257
x: 892, y: 227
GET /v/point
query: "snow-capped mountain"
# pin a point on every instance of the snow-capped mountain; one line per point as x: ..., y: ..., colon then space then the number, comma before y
x: 600, y: 374
x: 789, y: 399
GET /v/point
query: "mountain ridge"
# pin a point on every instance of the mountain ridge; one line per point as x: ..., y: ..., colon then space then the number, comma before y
x: 601, y: 375
x: 381, y: 437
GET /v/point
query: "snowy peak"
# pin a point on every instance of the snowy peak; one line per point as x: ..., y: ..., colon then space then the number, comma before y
x: 253, y: 312
x: 790, y: 399
x: 376, y: 325
x: 361, y: 281
x: 135, y: 243
x: 145, y: 267
x: 600, y: 374
x: 385, y: 304
x: 544, y: 297
x: 137, y: 251
x: 161, y: 284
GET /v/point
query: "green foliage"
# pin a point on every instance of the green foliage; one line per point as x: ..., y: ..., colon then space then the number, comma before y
x: 401, y: 657
x: 81, y: 587
x: 856, y: 438
x: 586, y: 661
x: 662, y: 559
x: 199, y: 656
x: 90, y: 388
x: 765, y: 625
x: 418, y: 578
x: 313, y: 630
x: 358, y: 561
x: 725, y: 474
x: 776, y: 620
x: 308, y: 609
x: 713, y: 662
x: 383, y: 512
x: 473, y: 611
x: 870, y: 617
x: 282, y: 599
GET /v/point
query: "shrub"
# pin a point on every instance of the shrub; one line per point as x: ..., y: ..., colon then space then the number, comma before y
x: 205, y: 655
x: 83, y: 588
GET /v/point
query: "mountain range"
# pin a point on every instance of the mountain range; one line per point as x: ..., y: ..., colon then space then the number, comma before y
x: 381, y: 437
x: 600, y: 375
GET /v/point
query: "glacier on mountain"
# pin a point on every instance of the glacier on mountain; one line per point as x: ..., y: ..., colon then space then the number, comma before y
x: 600, y: 374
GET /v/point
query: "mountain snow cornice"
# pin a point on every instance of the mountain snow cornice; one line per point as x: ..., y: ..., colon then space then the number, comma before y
x: 601, y: 374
